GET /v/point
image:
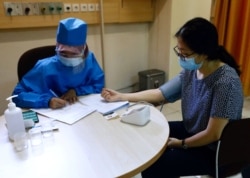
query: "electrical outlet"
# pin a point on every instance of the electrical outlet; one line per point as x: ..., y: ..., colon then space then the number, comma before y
x: 9, y: 9
x: 13, y: 9
x: 27, y: 9
x: 75, y: 7
x: 43, y: 8
x: 91, y: 7
x: 51, y: 8
x: 59, y: 7
x: 67, y: 7
x: 84, y: 7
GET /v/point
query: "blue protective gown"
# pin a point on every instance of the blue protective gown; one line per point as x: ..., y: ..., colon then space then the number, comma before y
x: 50, y: 74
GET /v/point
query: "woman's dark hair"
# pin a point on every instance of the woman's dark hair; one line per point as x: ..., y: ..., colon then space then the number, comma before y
x: 201, y: 36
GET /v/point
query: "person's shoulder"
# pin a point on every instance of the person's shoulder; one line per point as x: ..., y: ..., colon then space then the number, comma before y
x: 90, y: 58
x: 47, y: 61
x: 228, y: 72
x: 227, y: 76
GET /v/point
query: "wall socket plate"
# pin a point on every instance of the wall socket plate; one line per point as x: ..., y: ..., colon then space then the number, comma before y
x: 43, y: 8
x: 13, y: 9
x: 51, y: 8
x: 67, y: 7
x: 84, y: 7
x: 27, y: 9
x: 91, y: 7
x: 75, y: 7
x: 59, y: 7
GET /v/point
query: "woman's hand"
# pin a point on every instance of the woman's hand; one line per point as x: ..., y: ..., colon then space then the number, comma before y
x: 70, y: 96
x: 110, y: 95
x: 56, y: 103
x: 174, y: 143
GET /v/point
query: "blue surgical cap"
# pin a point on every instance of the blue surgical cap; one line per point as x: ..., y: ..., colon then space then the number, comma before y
x: 72, y: 32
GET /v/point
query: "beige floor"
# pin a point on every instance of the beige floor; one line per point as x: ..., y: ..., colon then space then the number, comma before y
x: 173, y: 112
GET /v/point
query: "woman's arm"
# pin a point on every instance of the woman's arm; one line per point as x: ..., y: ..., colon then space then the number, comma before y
x: 211, y: 134
x: 151, y: 96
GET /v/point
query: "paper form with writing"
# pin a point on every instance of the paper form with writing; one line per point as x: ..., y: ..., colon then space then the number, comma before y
x: 68, y: 114
x: 101, y: 105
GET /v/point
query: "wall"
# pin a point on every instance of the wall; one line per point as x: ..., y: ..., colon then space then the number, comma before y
x: 170, y: 16
x: 192, y: 8
x: 125, y: 53
x: 128, y: 48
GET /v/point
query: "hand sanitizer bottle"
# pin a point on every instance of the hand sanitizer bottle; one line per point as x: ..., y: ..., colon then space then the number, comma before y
x: 14, y: 118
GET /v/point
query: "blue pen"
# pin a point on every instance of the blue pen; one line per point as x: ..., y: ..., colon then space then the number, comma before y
x: 109, y: 113
x: 53, y: 93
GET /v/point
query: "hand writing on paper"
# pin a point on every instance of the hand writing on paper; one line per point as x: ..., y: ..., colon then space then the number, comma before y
x: 70, y: 96
x: 56, y: 103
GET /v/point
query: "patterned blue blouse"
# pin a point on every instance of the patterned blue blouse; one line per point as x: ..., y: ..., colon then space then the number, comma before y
x: 218, y: 95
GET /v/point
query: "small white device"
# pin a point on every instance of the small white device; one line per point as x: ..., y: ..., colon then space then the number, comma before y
x: 139, y: 116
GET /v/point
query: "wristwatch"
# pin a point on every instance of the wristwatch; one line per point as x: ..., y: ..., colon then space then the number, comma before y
x: 183, y: 144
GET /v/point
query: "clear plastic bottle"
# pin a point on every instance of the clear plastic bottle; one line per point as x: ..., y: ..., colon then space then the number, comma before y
x: 14, y: 118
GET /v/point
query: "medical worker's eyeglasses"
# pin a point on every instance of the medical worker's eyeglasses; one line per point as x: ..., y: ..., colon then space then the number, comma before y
x: 178, y: 53
x: 69, y: 55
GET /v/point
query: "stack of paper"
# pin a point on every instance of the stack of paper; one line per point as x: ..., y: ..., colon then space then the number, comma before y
x: 68, y: 114
x: 86, y: 105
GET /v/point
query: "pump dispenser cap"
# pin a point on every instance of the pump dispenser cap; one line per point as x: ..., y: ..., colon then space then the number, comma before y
x: 11, y: 104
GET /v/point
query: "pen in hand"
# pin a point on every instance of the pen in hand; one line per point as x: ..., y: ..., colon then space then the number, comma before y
x: 56, y: 102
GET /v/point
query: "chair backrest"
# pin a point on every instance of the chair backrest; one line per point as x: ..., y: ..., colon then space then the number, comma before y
x: 233, y: 151
x: 28, y: 59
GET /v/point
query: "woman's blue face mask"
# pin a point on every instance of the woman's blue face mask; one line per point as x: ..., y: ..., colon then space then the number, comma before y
x: 189, y: 64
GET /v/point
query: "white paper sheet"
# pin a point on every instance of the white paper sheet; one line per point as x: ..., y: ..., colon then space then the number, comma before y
x: 102, y: 106
x: 68, y: 114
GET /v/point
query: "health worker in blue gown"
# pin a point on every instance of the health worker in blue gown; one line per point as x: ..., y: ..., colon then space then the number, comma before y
x: 59, y: 79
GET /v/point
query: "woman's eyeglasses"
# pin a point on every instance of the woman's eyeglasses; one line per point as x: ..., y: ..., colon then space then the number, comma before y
x: 178, y: 53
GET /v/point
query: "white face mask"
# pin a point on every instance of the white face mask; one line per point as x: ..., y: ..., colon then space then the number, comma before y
x: 71, y: 62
